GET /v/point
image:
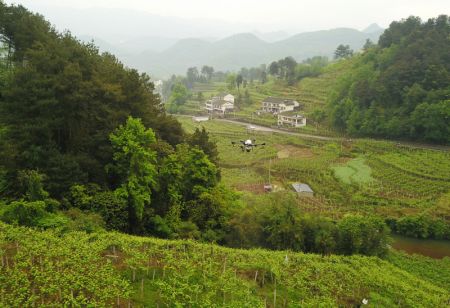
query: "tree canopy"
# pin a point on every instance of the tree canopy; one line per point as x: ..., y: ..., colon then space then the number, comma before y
x: 400, y: 88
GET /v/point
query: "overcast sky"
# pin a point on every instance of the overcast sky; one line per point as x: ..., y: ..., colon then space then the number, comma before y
x: 262, y: 15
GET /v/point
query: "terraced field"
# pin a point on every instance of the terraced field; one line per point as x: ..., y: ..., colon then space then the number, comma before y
x: 379, y: 177
x: 115, y: 270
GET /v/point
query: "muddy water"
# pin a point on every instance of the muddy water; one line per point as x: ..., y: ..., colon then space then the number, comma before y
x: 436, y: 249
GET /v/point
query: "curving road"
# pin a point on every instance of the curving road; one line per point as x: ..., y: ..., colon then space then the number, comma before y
x: 286, y: 132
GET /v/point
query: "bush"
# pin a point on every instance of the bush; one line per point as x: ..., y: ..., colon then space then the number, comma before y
x: 87, y: 222
x: 112, y: 208
x: 363, y: 235
x: 24, y: 213
x: 423, y: 226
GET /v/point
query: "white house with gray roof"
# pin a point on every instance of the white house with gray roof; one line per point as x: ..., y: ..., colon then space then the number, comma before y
x: 276, y: 105
x: 222, y: 103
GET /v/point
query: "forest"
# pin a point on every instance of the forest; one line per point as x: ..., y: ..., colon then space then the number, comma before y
x: 400, y: 87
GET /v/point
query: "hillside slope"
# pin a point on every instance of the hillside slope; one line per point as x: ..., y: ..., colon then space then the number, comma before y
x: 112, y: 269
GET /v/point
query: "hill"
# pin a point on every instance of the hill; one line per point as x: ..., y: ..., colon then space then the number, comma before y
x: 400, y: 87
x: 245, y: 50
x: 112, y: 269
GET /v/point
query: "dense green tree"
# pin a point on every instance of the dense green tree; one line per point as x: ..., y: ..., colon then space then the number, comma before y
x: 200, y: 138
x: 343, y: 52
x: 368, y: 44
x: 363, y: 235
x: 400, y: 88
x: 239, y: 80
x: 179, y: 96
x: 207, y: 71
x: 263, y: 77
x: 192, y: 76
x: 32, y: 182
x: 231, y: 81
x: 135, y: 165
x: 62, y: 100
x: 274, y: 68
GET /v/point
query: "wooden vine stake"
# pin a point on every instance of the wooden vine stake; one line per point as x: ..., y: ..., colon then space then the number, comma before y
x: 275, y: 294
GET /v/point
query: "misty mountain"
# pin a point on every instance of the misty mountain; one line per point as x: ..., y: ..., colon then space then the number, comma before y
x: 373, y: 28
x: 245, y: 50
x: 271, y: 36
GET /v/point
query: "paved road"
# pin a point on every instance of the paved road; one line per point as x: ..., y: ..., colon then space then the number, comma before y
x: 282, y: 131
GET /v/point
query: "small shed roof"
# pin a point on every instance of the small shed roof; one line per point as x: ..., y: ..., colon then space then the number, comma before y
x: 300, y: 187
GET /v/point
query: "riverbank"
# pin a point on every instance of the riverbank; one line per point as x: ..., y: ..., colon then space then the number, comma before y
x: 436, y: 249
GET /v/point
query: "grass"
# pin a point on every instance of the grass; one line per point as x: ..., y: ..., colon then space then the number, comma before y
x: 354, y: 172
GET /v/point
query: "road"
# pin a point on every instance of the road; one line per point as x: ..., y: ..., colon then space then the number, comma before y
x: 282, y: 131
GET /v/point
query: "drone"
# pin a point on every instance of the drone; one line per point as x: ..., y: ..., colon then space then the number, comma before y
x: 247, y: 145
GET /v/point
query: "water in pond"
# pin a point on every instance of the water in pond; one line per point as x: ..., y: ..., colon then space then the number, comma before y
x: 436, y: 249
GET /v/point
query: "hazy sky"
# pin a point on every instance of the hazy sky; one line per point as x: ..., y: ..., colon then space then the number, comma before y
x: 263, y: 15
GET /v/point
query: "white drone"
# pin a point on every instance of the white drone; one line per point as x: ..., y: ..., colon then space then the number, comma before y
x: 247, y: 145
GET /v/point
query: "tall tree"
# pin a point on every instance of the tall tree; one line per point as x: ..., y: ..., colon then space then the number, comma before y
x: 207, y: 71
x: 343, y: 52
x: 239, y: 80
x: 135, y: 165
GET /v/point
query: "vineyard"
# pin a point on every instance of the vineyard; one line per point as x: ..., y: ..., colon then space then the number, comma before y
x: 116, y: 270
x: 378, y: 176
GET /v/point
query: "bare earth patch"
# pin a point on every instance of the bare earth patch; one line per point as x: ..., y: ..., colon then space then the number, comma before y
x: 286, y: 151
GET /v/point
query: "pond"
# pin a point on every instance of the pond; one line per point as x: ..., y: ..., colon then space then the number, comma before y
x: 436, y: 249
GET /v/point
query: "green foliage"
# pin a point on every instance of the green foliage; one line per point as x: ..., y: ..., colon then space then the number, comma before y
x: 32, y: 181
x: 112, y: 208
x: 399, y: 89
x: 422, y: 226
x: 363, y: 235
x: 179, y: 96
x: 135, y: 165
x: 24, y: 213
x: 61, y: 101
x: 107, y: 269
x: 53, y: 269
x: 343, y: 52
x: 200, y: 138
x: 84, y: 221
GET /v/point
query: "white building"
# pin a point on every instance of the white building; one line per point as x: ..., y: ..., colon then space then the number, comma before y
x: 276, y: 105
x: 303, y: 189
x: 221, y: 103
x: 294, y: 120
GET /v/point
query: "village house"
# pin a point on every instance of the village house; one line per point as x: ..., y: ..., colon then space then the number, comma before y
x: 303, y: 190
x: 276, y: 105
x: 291, y: 119
x: 222, y: 103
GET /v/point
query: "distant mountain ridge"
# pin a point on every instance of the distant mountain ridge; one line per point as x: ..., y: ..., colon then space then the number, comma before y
x: 239, y: 50
x: 246, y: 50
